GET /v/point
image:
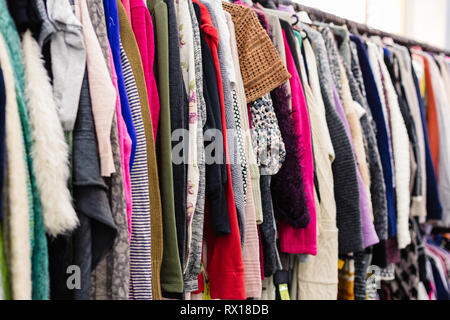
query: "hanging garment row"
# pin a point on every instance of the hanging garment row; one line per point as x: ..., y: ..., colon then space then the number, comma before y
x: 200, y: 149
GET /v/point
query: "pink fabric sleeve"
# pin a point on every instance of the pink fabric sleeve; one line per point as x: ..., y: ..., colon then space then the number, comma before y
x: 301, y: 241
x: 101, y: 91
x: 251, y: 249
x: 125, y: 147
x: 141, y: 22
x: 126, y: 5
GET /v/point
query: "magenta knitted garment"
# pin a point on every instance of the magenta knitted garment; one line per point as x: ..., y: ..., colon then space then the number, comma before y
x: 142, y: 25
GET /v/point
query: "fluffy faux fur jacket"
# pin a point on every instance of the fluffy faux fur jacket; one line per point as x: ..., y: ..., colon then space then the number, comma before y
x: 50, y: 150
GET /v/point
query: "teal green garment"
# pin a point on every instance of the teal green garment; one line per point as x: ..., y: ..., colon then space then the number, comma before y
x: 4, y: 283
x: 171, y: 273
x: 39, y: 253
x: 299, y: 38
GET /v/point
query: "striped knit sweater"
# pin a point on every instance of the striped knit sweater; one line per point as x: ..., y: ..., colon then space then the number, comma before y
x: 140, y: 251
x: 131, y: 48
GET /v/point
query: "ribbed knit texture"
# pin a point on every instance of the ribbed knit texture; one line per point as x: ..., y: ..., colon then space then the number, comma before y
x: 374, y: 102
x: 130, y: 46
x: 344, y: 168
x: 140, y: 251
x: 17, y: 229
x: 318, y: 276
x: 362, y: 260
x: 171, y: 274
x: 345, y: 108
x: 40, y: 276
x: 142, y: 24
x: 377, y: 186
x: 377, y: 101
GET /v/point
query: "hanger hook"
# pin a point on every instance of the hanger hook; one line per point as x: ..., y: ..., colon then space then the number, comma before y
x: 296, y: 19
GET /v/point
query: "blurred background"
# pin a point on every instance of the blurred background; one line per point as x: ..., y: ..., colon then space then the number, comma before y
x: 422, y: 20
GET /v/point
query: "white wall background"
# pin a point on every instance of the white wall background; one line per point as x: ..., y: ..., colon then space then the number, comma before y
x: 349, y: 9
x: 423, y: 20
x: 427, y: 21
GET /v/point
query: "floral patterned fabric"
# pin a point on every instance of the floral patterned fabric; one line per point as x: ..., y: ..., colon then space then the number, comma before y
x: 193, y: 268
x: 187, y: 61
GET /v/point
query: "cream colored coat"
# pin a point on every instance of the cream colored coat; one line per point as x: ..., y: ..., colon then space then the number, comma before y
x: 318, y: 276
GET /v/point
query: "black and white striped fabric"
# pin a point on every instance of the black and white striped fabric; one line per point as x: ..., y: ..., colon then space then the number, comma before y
x: 140, y: 246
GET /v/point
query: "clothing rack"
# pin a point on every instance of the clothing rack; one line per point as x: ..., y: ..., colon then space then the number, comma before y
x: 359, y: 28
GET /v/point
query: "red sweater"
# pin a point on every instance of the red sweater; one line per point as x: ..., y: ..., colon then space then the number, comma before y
x: 224, y: 266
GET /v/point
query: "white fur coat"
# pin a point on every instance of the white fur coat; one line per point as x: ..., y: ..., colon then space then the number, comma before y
x: 50, y: 151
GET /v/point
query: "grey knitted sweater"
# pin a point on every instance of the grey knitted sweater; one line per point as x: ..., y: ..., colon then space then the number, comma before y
x: 344, y: 167
x: 377, y: 186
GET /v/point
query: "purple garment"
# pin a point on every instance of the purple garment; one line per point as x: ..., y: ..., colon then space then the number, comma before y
x: 392, y: 251
x: 368, y: 229
x: 285, y: 8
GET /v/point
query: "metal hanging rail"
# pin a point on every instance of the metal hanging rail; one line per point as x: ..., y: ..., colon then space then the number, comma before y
x: 359, y: 28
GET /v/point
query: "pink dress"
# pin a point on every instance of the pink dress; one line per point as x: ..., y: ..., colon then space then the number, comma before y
x: 125, y: 148
x: 141, y: 22
x: 301, y: 241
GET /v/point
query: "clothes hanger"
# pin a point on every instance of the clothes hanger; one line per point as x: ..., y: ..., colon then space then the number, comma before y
x: 296, y: 19
x: 352, y: 28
